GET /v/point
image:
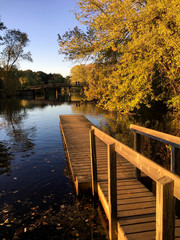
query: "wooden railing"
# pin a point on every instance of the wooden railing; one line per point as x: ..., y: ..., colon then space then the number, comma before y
x: 173, y: 141
x: 167, y: 183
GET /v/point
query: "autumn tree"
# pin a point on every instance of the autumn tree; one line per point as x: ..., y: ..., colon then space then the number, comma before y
x: 150, y: 67
x: 78, y: 74
x: 136, y: 45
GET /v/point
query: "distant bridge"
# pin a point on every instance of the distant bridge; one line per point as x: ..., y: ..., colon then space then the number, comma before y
x: 57, y: 85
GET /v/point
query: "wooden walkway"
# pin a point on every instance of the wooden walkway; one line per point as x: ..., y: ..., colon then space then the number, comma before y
x: 136, y: 205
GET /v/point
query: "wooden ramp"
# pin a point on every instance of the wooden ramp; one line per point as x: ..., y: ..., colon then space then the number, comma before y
x: 135, y: 210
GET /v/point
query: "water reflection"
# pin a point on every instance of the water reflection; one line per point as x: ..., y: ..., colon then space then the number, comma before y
x: 14, y: 111
x: 34, y: 189
x: 32, y: 162
x: 5, y: 159
x: 55, y: 96
x: 18, y: 139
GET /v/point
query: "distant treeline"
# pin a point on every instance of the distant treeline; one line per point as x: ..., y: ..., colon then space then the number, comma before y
x: 13, y: 43
x: 22, y: 79
x: 30, y: 78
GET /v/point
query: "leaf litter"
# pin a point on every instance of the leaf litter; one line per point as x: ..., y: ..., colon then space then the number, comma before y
x: 70, y: 221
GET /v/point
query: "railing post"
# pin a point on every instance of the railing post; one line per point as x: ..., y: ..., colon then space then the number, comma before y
x: 112, y: 192
x: 93, y: 161
x: 165, y: 209
x: 175, y: 168
x: 137, y: 147
x: 175, y: 160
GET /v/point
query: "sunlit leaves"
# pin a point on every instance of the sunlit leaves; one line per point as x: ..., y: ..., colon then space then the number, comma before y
x: 138, y: 42
x: 78, y: 74
x: 76, y: 44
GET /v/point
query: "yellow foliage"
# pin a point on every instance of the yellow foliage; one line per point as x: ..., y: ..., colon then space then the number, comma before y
x: 136, y: 49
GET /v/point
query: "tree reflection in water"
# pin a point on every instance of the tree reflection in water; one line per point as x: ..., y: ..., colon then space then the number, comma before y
x: 19, y: 138
x: 36, y: 197
x: 5, y: 159
x: 39, y: 196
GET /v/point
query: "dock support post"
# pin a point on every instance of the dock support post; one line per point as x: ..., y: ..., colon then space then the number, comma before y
x: 93, y: 162
x: 45, y: 93
x: 165, y: 209
x: 137, y: 146
x: 57, y: 93
x: 112, y: 192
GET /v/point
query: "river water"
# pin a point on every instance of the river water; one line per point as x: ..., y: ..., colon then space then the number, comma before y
x: 36, y: 195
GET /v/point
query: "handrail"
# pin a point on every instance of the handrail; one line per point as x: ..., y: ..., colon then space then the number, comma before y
x: 159, y: 136
x: 167, y: 183
x: 150, y: 168
x: 173, y: 141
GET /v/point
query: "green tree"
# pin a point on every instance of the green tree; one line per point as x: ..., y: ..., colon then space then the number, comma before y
x: 43, y: 77
x: 14, y: 42
x: 2, y: 27
x: 68, y: 79
x: 56, y: 78
x: 29, y: 76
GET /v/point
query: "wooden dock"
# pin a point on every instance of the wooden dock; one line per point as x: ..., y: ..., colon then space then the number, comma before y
x: 111, y: 169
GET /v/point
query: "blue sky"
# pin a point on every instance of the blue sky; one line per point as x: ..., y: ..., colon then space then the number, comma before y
x: 42, y: 20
